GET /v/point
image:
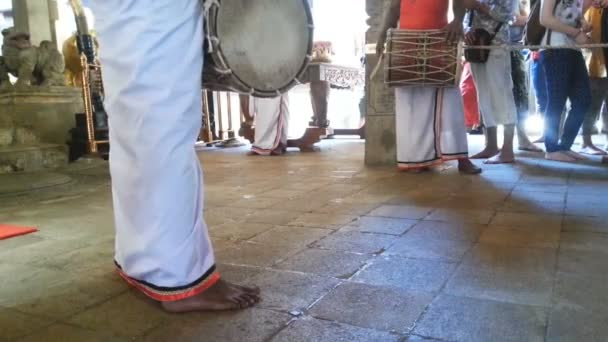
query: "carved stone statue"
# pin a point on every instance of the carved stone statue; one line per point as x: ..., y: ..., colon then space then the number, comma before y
x: 31, y: 65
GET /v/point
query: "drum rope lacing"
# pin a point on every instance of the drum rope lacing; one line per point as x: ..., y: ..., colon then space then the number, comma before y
x: 508, y: 47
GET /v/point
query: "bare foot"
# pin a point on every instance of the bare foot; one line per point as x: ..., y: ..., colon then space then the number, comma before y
x: 593, y: 150
x: 503, y: 157
x: 559, y: 156
x: 486, y: 153
x: 530, y: 147
x: 467, y: 167
x: 221, y: 296
x: 575, y: 155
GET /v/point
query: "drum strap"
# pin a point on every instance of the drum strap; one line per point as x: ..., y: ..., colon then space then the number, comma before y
x: 207, y: 5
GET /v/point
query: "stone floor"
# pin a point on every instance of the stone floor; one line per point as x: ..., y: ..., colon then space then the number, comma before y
x: 341, y: 251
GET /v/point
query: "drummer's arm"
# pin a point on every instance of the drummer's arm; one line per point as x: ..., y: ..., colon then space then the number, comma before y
x: 459, y: 9
x: 391, y: 19
x: 391, y: 16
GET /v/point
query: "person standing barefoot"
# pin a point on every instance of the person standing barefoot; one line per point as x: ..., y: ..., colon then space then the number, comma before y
x: 152, y: 60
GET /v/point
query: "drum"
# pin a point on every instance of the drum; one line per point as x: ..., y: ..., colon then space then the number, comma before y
x: 417, y: 58
x: 257, y: 47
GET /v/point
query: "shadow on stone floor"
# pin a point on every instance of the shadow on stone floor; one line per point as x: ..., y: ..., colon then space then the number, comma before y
x: 341, y: 251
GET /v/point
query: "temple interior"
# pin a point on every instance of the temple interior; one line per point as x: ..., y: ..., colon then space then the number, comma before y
x: 344, y: 246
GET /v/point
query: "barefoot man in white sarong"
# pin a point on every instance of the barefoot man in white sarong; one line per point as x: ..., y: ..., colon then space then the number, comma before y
x: 152, y: 59
x: 430, y: 121
x: 271, y: 124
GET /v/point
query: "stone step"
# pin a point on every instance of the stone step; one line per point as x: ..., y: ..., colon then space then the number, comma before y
x: 32, y: 158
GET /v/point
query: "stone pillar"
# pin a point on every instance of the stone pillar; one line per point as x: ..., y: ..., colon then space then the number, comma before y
x: 380, y: 148
x: 37, y: 17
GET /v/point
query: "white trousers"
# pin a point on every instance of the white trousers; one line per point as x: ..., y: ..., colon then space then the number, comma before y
x: 430, y: 126
x: 152, y: 57
x: 271, y: 123
x: 495, y: 89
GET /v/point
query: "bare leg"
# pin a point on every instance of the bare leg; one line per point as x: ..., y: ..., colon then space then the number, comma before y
x: 221, y: 296
x: 524, y: 142
x: 491, y: 144
x: 590, y: 148
x: 506, y: 155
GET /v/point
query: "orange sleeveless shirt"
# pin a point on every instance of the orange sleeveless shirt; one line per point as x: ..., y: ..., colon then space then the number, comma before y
x: 424, y: 14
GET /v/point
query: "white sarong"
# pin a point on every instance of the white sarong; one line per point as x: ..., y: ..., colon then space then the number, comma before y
x: 152, y: 59
x: 271, y: 123
x: 430, y: 126
x: 495, y: 89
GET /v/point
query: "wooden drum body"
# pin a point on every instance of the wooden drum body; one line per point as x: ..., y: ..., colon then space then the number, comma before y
x: 257, y: 47
x: 421, y: 58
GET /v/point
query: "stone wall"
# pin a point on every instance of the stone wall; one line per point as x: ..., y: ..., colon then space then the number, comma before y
x: 380, y: 148
x: 47, y: 113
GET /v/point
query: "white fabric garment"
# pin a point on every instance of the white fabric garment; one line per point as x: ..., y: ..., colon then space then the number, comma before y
x: 430, y: 126
x: 271, y: 123
x: 495, y: 89
x: 152, y: 57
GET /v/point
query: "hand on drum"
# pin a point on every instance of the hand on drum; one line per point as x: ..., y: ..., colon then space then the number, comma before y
x: 453, y: 32
x: 469, y: 37
x: 380, y: 45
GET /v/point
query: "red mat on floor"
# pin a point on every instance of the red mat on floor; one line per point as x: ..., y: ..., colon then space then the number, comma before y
x: 8, y: 231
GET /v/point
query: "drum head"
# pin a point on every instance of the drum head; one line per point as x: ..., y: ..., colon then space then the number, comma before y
x: 265, y: 42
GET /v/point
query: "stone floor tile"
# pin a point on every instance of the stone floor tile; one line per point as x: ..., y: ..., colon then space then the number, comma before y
x: 474, y: 320
x: 584, y: 242
x: 401, y: 211
x: 53, y: 294
x: 381, y: 225
x: 532, y: 207
x: 410, y: 246
x: 40, y: 251
x: 252, y: 325
x: 387, y: 309
x: 412, y: 274
x: 291, y: 237
x: 70, y: 333
x: 567, y: 324
x: 526, y: 187
x: 14, y: 324
x: 273, y: 216
x: 416, y: 338
x: 256, y: 202
x: 500, y: 257
x: 585, y: 224
x: 456, y: 231
x: 325, y: 263
x: 534, y: 238
x: 323, y: 220
x: 310, y: 329
x: 523, y: 220
x: 356, y: 209
x: 581, y: 292
x: 356, y: 242
x: 538, y: 196
x: 129, y: 315
x: 285, y: 194
x: 19, y: 242
x: 468, y: 216
x: 291, y: 291
x: 237, y: 273
x: 239, y: 231
x: 510, y: 286
x: 587, y: 211
x: 582, y: 262
x: 254, y: 254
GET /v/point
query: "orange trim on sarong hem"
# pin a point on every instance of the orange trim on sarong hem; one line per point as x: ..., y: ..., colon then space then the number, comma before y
x: 172, y: 296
